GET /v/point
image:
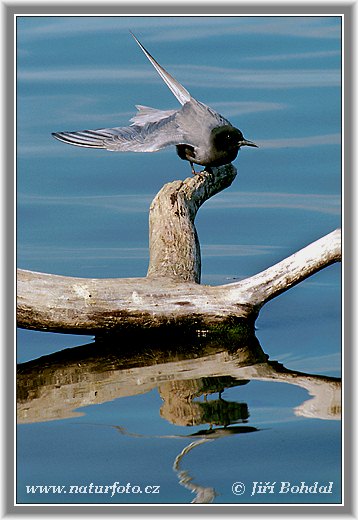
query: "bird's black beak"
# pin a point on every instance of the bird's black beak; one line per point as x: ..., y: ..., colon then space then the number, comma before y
x: 244, y: 142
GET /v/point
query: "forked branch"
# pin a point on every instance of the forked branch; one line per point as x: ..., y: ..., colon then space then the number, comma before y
x: 170, y: 294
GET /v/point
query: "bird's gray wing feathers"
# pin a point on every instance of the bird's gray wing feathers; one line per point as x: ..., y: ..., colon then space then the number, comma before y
x: 178, y: 90
x: 150, y: 137
x: 153, y: 129
x: 150, y: 115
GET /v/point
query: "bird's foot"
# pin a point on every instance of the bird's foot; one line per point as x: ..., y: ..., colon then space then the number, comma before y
x: 207, y: 169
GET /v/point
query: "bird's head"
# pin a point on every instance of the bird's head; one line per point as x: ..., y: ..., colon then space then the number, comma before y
x: 227, y: 138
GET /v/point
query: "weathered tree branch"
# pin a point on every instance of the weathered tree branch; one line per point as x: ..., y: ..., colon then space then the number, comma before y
x: 268, y: 284
x: 94, y: 306
x: 173, y: 240
x: 170, y: 295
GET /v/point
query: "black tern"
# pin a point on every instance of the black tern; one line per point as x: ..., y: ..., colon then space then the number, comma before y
x: 201, y: 135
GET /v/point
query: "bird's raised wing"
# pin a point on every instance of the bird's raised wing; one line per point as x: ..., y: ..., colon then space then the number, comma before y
x: 182, y: 95
x: 148, y: 137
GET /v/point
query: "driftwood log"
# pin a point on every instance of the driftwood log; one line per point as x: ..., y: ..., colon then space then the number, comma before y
x: 170, y: 295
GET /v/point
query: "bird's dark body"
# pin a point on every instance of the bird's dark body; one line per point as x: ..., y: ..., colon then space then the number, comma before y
x: 201, y: 135
x: 223, y: 147
x: 186, y: 152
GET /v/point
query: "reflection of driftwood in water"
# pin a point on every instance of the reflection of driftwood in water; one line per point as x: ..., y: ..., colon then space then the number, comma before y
x: 53, y: 386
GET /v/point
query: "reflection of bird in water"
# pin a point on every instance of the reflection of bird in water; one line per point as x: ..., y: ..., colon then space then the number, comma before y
x: 224, y: 432
x: 182, y: 404
x: 209, y: 434
x: 204, y: 495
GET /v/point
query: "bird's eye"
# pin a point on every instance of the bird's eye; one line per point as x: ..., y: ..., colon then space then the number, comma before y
x: 229, y: 138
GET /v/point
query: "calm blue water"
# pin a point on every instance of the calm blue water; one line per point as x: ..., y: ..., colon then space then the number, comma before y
x: 84, y: 213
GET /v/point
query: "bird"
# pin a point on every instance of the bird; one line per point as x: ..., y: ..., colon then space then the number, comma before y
x: 200, y: 134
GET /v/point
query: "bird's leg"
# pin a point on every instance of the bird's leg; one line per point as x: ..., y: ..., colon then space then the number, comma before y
x: 192, y: 168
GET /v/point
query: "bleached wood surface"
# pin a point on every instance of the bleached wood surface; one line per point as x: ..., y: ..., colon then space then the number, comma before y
x: 170, y: 294
x: 91, y: 306
x: 173, y: 241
